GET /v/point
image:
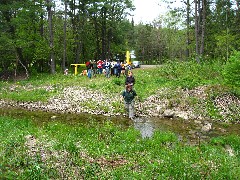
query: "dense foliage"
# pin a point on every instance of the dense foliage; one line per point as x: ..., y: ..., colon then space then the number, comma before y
x: 49, y: 35
x: 231, y: 71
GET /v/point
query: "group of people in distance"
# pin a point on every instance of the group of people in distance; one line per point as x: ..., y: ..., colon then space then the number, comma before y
x: 118, y: 68
x: 106, y: 67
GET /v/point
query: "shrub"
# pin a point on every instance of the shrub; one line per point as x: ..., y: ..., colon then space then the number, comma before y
x: 117, y: 81
x: 231, y: 71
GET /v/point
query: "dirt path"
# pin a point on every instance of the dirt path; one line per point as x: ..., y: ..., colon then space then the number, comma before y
x: 147, y: 67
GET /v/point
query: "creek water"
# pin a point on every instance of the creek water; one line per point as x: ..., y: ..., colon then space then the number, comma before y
x: 188, y: 131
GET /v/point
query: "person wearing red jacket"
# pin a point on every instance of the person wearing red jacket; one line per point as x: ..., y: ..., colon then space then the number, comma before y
x: 99, y: 66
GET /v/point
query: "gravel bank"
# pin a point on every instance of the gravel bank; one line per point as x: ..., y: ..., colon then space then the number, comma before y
x: 180, y: 103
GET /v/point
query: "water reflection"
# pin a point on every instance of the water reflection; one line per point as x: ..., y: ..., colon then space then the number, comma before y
x: 146, y: 128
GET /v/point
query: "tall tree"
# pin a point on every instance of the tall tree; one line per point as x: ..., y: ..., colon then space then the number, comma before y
x: 200, y: 26
x: 104, y: 28
x: 203, y: 27
x: 65, y: 36
x: 188, y: 28
x: 14, y: 18
x: 37, y: 30
x: 49, y: 4
x: 196, y: 30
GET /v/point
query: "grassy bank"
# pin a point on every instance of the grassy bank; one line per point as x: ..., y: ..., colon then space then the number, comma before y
x: 106, y: 151
x: 57, y: 150
x: 172, y: 75
x: 185, y: 86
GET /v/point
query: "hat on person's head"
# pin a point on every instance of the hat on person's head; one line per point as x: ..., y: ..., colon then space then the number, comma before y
x: 129, y: 86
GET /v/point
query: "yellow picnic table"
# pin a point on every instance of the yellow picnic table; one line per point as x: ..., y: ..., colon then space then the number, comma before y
x: 76, y: 67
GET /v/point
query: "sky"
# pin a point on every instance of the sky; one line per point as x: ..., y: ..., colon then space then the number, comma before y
x: 148, y: 10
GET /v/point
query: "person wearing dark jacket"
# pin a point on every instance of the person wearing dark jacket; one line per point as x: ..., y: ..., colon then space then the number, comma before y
x: 118, y: 69
x: 128, y: 95
x: 130, y: 80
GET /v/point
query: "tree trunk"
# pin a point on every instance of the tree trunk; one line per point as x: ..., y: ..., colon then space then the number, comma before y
x: 188, y: 26
x: 41, y: 61
x: 81, y: 28
x: 196, y: 30
x: 97, y: 32
x: 75, y: 31
x: 238, y: 19
x: 50, y: 14
x: 104, y: 33
x: 65, y: 37
x: 18, y: 60
x: 203, y: 27
x: 77, y: 41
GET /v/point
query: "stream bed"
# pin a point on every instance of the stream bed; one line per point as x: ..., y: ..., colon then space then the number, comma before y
x: 188, y: 131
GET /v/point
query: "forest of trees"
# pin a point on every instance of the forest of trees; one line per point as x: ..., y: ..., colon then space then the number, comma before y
x: 49, y: 35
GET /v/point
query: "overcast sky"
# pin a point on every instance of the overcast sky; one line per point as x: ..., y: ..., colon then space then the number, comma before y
x: 147, y: 10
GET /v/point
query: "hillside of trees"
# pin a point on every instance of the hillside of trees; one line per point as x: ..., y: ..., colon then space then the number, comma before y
x: 48, y: 35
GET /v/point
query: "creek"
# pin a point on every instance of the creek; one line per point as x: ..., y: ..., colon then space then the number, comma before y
x: 188, y: 131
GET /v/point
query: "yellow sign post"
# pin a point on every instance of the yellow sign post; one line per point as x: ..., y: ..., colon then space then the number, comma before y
x: 76, y: 67
x: 128, y: 59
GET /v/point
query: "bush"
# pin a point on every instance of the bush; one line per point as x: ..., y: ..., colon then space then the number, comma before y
x: 231, y: 71
x: 117, y: 81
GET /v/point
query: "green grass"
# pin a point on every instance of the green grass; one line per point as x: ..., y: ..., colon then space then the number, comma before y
x: 107, y: 151
x: 172, y: 75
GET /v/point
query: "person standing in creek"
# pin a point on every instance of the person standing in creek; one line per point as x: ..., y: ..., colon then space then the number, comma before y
x: 128, y: 96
